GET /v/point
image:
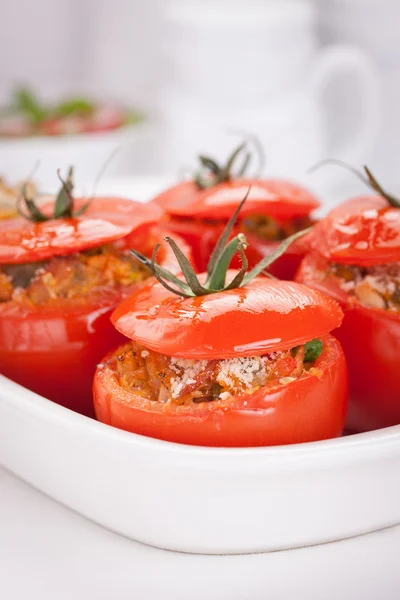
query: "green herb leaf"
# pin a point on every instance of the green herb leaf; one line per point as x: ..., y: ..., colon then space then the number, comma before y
x: 312, y: 350
x: 27, y: 103
x: 72, y: 106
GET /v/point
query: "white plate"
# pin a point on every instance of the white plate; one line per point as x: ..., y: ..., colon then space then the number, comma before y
x: 201, y: 500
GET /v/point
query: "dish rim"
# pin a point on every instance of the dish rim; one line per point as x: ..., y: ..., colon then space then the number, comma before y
x: 349, y: 448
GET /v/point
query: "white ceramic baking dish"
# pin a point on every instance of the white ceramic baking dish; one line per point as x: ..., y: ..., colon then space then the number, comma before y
x: 196, y: 499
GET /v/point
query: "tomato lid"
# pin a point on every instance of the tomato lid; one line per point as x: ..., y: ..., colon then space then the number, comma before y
x: 279, y: 199
x: 362, y: 231
x: 264, y: 315
x: 105, y: 220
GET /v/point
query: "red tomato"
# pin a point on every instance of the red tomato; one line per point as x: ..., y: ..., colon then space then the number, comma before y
x: 279, y: 199
x: 371, y: 342
x: 199, y: 216
x: 308, y: 409
x: 105, y: 220
x: 53, y: 350
x: 363, y: 231
x: 262, y: 316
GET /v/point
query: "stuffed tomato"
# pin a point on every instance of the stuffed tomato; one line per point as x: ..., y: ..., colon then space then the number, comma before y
x: 245, y: 363
x: 199, y: 209
x: 355, y: 259
x: 63, y: 269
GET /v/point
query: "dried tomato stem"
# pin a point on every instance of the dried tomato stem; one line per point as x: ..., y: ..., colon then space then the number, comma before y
x: 369, y: 179
x: 218, y: 265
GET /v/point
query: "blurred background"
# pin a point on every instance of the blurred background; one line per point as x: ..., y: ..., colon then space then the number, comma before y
x: 311, y: 78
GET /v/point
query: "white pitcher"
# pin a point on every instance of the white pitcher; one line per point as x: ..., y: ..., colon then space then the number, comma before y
x: 257, y: 67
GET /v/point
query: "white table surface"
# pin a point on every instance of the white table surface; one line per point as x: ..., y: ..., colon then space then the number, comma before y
x: 47, y: 552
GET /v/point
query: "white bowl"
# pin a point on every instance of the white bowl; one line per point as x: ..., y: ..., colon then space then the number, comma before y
x: 202, y: 500
x: 87, y: 152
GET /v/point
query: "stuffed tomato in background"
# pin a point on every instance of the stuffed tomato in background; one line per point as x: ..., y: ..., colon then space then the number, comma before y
x: 249, y: 362
x: 199, y: 209
x: 355, y: 259
x: 63, y: 269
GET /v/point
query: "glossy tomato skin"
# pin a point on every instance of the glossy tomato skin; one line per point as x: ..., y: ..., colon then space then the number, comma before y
x: 265, y: 315
x: 371, y: 342
x: 363, y: 231
x: 54, y: 351
x: 309, y: 409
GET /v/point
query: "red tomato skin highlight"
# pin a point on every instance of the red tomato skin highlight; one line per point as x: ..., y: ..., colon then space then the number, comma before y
x: 371, y: 342
x: 309, y: 409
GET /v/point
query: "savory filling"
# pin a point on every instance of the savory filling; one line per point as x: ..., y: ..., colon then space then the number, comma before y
x: 375, y: 287
x: 268, y: 228
x: 179, y: 380
x: 73, y: 277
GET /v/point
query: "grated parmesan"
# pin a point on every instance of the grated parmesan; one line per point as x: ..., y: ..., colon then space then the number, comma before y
x: 186, y: 371
x: 239, y: 373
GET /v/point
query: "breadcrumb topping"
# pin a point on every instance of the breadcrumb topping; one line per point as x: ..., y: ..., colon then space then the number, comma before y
x: 179, y: 380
